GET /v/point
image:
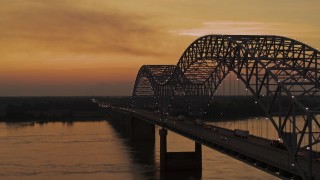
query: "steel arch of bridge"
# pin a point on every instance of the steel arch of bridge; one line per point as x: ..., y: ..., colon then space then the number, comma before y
x: 278, y: 71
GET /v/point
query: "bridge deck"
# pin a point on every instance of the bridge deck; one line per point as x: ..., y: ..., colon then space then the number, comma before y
x: 253, y: 150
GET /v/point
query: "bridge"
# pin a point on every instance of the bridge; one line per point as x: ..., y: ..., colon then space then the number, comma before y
x: 279, y: 73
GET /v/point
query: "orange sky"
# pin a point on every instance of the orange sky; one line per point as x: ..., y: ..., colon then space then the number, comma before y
x: 95, y: 47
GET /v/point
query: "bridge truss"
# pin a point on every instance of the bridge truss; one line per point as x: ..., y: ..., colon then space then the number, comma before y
x: 279, y: 72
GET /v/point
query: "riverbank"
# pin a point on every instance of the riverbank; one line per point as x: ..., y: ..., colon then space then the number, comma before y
x: 48, y: 109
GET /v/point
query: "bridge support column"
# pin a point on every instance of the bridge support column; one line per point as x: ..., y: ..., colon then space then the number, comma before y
x: 163, y: 148
x: 198, y: 154
x: 141, y: 130
x: 179, y: 160
x: 121, y: 121
x: 133, y: 128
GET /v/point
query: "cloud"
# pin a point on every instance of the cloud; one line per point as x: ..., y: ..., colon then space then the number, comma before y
x: 242, y: 27
x: 56, y: 27
x: 59, y: 89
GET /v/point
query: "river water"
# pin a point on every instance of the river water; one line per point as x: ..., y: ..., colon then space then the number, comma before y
x: 95, y: 150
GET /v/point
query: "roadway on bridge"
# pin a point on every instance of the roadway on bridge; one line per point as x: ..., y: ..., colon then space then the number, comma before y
x: 252, y: 150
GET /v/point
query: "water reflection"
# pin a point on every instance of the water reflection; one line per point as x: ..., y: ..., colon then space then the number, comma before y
x: 97, y: 150
x: 68, y: 123
x: 19, y: 124
x: 174, y: 175
x: 145, y: 154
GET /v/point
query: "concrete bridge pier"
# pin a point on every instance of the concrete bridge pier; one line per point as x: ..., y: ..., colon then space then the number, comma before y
x: 183, y: 161
x: 133, y: 128
x: 139, y: 130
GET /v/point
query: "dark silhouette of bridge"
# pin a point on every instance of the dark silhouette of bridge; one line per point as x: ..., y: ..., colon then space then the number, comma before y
x: 280, y: 73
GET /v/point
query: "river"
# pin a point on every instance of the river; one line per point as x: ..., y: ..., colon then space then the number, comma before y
x: 95, y: 150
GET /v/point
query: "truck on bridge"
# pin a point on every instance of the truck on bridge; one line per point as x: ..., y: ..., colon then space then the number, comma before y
x: 198, y: 122
x: 241, y: 133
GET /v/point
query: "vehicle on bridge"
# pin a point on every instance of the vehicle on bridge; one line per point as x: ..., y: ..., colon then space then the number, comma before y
x: 278, y: 143
x: 198, y: 122
x: 241, y: 133
x: 208, y: 126
x: 180, y: 118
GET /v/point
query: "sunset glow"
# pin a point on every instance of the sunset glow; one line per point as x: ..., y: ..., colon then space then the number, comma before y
x: 95, y: 47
